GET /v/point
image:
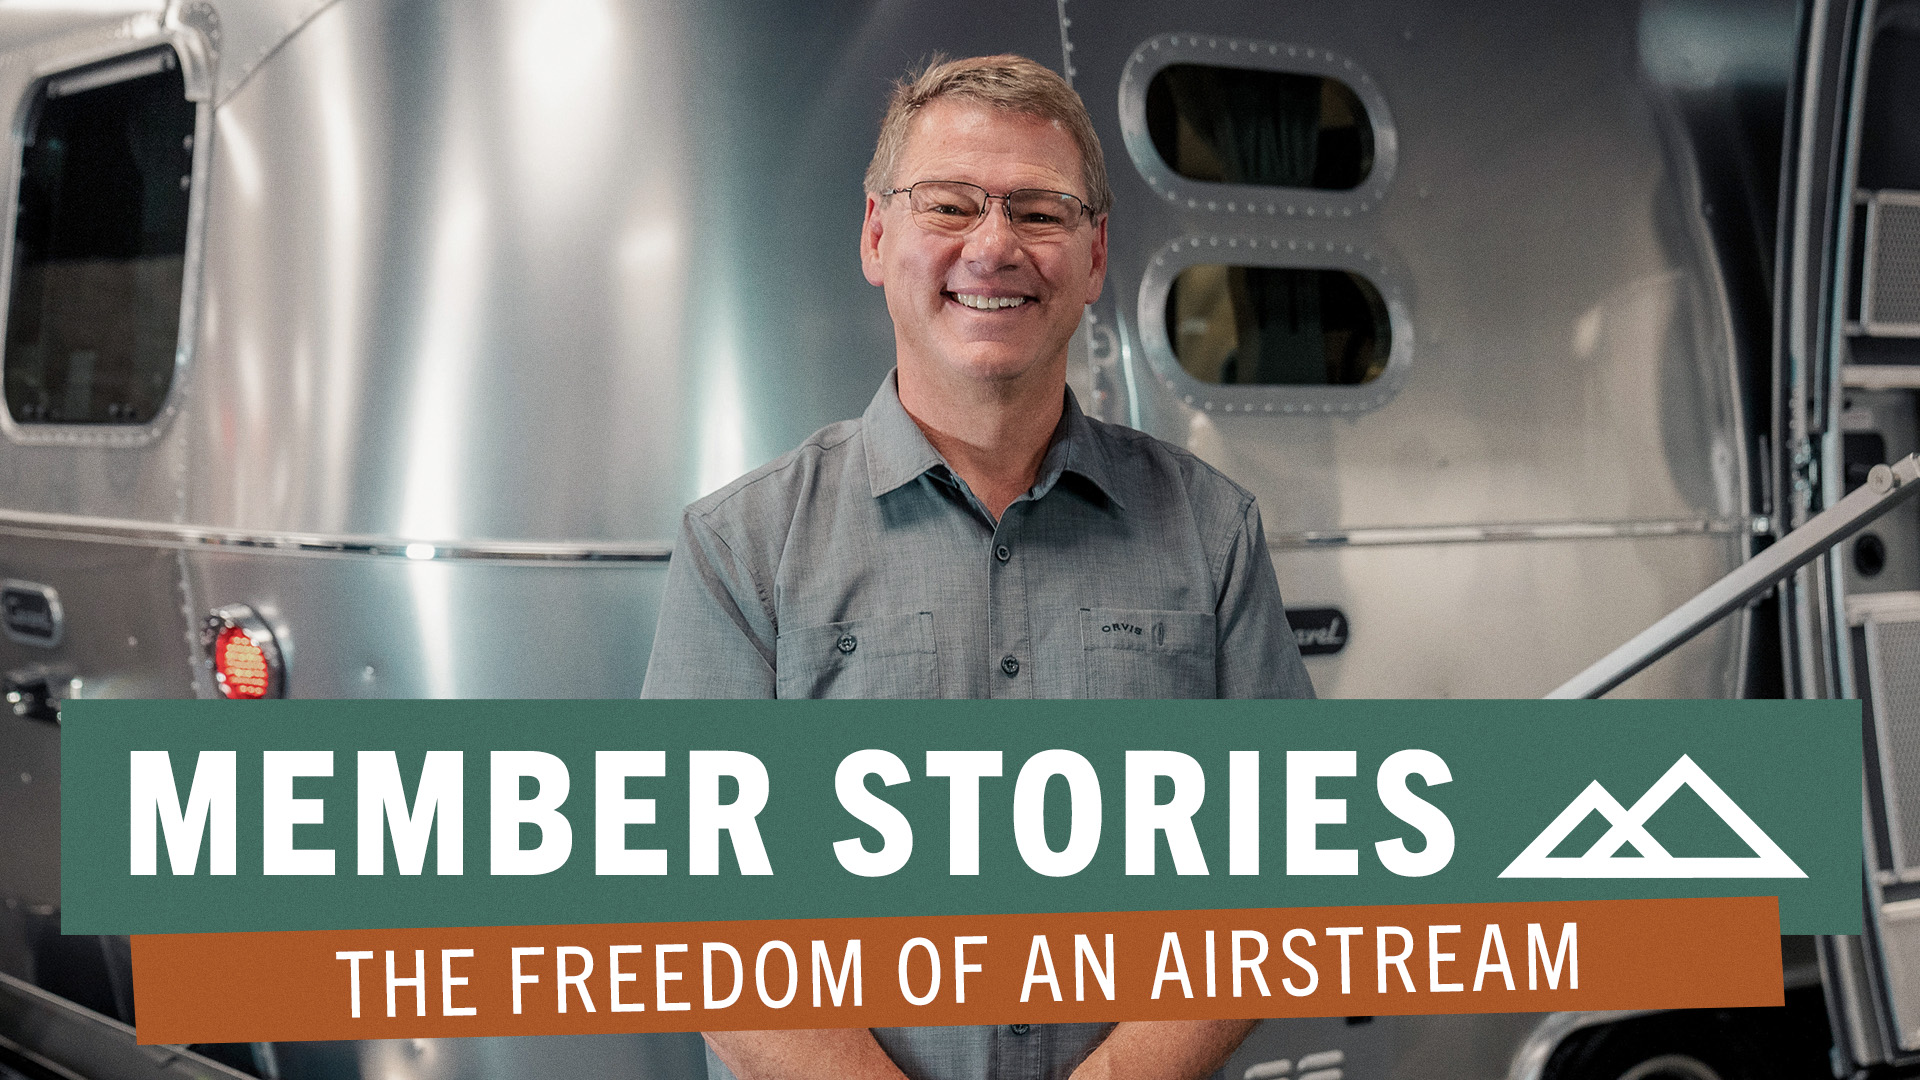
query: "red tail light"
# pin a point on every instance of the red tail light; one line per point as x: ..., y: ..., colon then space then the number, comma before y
x: 245, y: 658
x: 239, y: 665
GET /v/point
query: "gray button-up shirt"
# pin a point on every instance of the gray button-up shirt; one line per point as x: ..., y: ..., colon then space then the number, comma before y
x: 861, y: 566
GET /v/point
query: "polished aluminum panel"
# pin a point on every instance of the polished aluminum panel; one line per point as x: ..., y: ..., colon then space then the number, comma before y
x: 408, y: 628
x: 562, y: 278
x: 486, y: 339
x: 114, y: 646
x: 245, y: 34
x: 1473, y: 599
x: 29, y: 816
x: 1572, y: 362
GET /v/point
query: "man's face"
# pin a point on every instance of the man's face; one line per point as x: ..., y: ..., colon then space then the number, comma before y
x: 933, y: 279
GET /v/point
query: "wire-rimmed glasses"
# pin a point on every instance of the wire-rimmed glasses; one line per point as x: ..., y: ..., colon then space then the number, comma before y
x: 954, y: 208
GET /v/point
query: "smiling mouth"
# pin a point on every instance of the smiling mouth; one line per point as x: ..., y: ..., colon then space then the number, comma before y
x: 987, y: 303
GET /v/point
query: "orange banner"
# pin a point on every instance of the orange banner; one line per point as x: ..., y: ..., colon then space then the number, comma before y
x: 984, y: 969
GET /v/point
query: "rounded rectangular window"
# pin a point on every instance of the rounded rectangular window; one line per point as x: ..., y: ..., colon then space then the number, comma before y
x: 1277, y: 326
x: 100, y: 238
x: 1262, y: 128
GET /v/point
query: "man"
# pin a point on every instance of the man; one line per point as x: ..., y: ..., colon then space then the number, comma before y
x: 974, y: 534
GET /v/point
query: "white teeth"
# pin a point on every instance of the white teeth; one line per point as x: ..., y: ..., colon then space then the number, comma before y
x: 989, y: 303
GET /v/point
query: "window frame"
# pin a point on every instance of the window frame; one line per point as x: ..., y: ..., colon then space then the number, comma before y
x: 1266, y: 202
x: 194, y: 62
x: 1287, y: 253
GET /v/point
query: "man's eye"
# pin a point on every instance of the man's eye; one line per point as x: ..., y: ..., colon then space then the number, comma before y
x: 950, y: 210
x: 1038, y: 218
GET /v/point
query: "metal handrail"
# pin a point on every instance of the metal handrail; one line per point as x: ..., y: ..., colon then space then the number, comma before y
x: 1887, y: 486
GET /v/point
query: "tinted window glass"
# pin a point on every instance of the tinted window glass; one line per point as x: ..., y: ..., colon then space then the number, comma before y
x: 99, y: 245
x: 1243, y: 126
x: 1277, y: 326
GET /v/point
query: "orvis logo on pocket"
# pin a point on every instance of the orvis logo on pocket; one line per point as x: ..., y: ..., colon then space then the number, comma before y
x: 1157, y: 631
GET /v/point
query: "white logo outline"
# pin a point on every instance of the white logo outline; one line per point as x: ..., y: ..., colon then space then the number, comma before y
x: 1628, y: 826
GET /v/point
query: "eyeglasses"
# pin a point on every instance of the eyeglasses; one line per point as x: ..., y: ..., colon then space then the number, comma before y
x: 955, y: 208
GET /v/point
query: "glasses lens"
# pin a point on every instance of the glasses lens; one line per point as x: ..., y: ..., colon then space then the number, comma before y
x: 1043, y: 215
x: 947, y: 207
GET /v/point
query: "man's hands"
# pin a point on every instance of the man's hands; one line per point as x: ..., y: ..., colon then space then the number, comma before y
x: 828, y: 1053
x: 1164, y: 1050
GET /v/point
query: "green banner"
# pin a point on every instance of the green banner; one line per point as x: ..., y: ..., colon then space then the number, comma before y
x: 203, y: 816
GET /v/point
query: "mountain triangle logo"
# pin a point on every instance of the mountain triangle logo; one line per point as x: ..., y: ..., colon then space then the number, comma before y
x: 1629, y: 827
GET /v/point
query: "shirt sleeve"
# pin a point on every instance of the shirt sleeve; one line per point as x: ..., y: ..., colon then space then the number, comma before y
x: 715, y: 638
x: 1256, y: 654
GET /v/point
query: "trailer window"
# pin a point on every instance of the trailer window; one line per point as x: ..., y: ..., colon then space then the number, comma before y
x: 99, y: 249
x: 1268, y: 128
x: 1277, y: 326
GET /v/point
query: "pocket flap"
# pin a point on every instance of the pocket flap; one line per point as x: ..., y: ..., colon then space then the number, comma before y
x: 881, y: 635
x: 1147, y: 631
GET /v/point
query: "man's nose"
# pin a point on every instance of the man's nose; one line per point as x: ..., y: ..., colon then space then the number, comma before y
x: 992, y: 243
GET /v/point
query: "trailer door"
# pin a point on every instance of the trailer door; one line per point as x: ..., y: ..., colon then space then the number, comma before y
x: 1847, y: 378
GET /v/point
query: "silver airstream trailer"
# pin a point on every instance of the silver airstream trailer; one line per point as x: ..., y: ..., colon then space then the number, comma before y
x: 369, y: 348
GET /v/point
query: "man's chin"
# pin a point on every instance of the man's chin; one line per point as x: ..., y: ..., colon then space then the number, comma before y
x: 999, y: 360
x: 998, y: 367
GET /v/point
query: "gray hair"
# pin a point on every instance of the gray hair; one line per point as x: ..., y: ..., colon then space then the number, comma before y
x: 1009, y: 83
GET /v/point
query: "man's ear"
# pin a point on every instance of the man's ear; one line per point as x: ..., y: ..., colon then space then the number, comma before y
x: 870, y: 230
x: 1098, y: 275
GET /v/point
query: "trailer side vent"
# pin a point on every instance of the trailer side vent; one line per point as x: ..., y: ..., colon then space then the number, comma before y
x: 1885, y: 631
x: 1890, y: 271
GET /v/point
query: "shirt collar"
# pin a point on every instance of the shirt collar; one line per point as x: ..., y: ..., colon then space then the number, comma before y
x: 1087, y: 453
x: 899, y: 453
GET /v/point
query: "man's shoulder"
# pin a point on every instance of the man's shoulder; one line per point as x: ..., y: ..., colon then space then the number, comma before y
x: 778, y: 487
x: 1146, y: 466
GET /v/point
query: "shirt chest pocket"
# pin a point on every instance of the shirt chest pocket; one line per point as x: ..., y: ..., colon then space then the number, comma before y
x: 887, y: 656
x: 1134, y: 653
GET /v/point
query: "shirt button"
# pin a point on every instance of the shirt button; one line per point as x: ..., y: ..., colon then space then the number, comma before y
x: 848, y: 643
x: 1003, y: 553
x: 1019, y: 1029
x: 1010, y: 664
